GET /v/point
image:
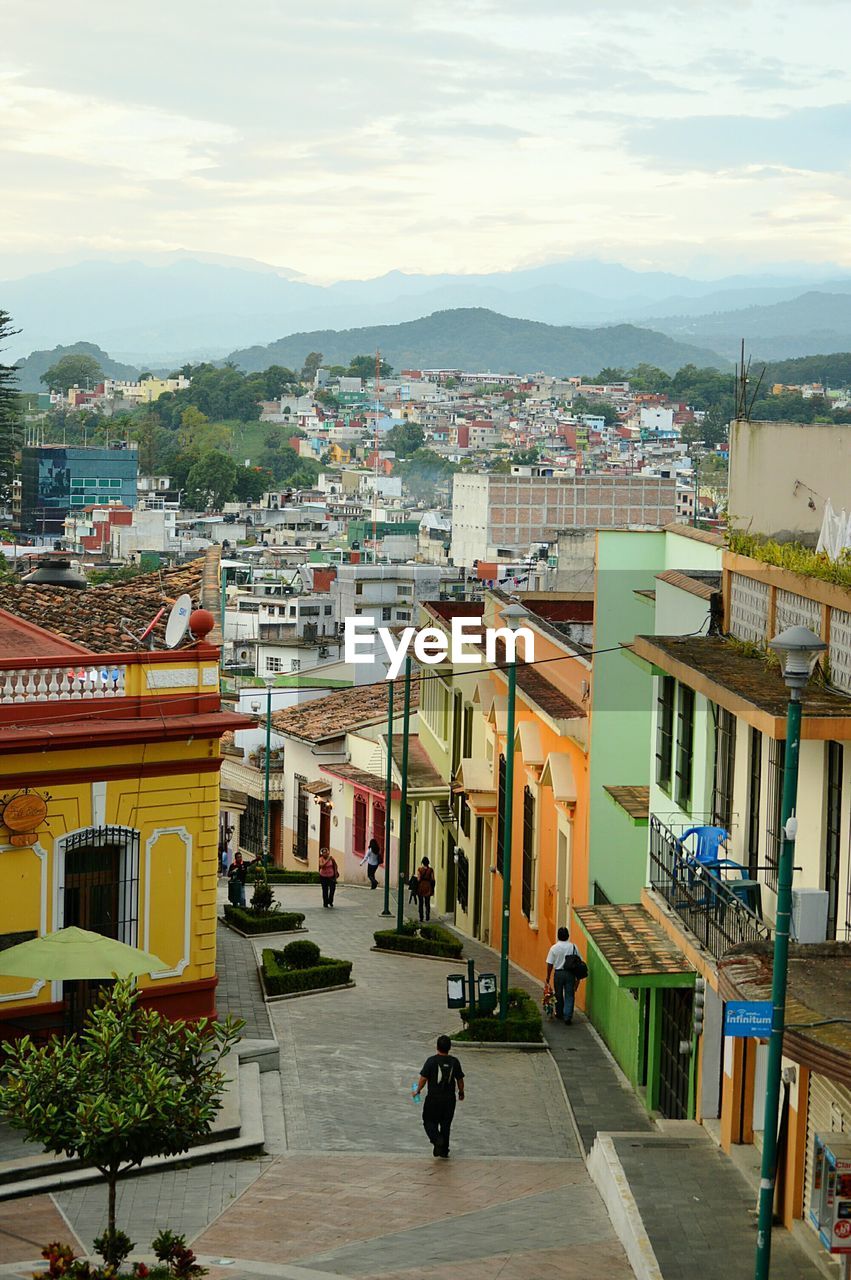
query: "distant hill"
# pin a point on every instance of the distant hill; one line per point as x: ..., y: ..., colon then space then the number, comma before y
x: 478, y: 340
x: 168, y: 308
x: 813, y: 321
x: 38, y: 362
x: 833, y: 369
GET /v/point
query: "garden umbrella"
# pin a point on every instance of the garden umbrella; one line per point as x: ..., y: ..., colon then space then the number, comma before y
x: 76, y: 953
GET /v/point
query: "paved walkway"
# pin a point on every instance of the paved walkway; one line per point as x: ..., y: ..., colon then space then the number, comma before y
x: 349, y: 1187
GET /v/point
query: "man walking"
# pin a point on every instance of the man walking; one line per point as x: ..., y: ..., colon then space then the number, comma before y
x: 236, y: 881
x: 442, y: 1073
x: 560, y: 961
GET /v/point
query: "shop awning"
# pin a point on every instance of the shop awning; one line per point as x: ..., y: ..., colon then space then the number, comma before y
x: 633, y: 947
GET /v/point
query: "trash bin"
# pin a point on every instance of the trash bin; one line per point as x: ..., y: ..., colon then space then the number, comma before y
x: 456, y: 991
x: 487, y: 992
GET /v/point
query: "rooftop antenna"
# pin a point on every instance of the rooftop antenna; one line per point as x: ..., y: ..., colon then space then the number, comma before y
x: 744, y: 401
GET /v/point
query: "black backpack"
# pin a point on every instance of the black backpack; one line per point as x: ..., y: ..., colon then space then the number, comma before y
x: 576, y: 965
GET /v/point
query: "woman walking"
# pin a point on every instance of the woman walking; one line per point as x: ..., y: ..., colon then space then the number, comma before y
x: 425, y: 888
x: 329, y: 874
x: 372, y: 858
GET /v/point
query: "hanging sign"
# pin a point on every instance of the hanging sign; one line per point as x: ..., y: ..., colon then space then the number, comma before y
x: 750, y: 1018
x: 23, y: 815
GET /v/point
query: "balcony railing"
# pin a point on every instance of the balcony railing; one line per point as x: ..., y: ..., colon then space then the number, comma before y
x: 93, y: 679
x: 703, y: 901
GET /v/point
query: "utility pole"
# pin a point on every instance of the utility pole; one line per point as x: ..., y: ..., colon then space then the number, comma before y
x: 388, y: 798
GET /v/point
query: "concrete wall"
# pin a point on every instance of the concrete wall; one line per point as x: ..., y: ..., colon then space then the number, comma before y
x: 615, y: 1012
x: 778, y: 468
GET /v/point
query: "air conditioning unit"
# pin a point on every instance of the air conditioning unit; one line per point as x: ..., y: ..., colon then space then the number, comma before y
x: 809, y: 915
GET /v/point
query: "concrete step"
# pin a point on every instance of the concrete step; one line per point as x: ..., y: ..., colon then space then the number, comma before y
x: 239, y: 1132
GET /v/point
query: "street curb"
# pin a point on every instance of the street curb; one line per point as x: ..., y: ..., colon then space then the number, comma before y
x: 266, y: 933
x: 526, y: 1046
x: 607, y: 1174
x: 314, y: 991
x: 417, y: 955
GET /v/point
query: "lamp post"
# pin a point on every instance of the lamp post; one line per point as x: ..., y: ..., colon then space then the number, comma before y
x: 798, y: 650
x: 255, y: 706
x: 404, y: 834
x: 513, y: 617
x: 388, y: 798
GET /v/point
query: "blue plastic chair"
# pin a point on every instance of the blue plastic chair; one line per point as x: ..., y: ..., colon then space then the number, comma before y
x: 709, y: 841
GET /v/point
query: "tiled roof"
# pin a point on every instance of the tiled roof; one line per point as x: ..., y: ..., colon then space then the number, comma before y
x: 818, y: 1004
x: 631, y: 941
x: 422, y: 775
x: 633, y: 800
x: 341, y: 711
x: 546, y: 696
x: 739, y: 674
x: 20, y: 639
x: 94, y: 618
x: 357, y: 777
x: 705, y: 586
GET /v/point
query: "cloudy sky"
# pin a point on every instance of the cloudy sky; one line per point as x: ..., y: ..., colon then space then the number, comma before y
x: 347, y: 139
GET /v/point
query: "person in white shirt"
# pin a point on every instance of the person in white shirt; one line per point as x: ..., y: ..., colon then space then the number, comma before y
x: 565, y: 979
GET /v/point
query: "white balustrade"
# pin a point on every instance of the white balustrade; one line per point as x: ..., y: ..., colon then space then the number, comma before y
x: 61, y: 683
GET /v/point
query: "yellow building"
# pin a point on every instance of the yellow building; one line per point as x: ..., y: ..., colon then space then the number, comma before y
x: 109, y: 804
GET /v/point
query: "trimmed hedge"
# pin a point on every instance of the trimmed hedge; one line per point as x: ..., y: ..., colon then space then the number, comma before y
x: 421, y: 940
x: 280, y: 980
x: 267, y: 922
x: 522, y: 1025
x: 277, y: 875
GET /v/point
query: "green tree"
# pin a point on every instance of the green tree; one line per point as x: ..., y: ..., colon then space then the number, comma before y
x: 11, y: 417
x: 72, y: 371
x: 211, y: 481
x: 157, y: 446
x: 251, y: 483
x: 648, y: 378
x: 405, y: 439
x: 131, y: 1085
x: 424, y: 473
x: 311, y: 364
x: 364, y: 367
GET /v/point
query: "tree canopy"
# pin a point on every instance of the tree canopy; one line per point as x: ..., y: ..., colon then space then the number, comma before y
x: 73, y: 371
x: 364, y: 367
x: 405, y: 439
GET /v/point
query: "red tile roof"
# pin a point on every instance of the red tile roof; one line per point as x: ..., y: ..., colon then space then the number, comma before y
x: 341, y: 711
x: 94, y: 618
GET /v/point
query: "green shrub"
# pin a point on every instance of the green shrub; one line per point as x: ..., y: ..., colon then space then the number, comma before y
x: 263, y: 897
x: 278, y: 875
x: 268, y: 922
x: 440, y: 942
x: 301, y: 955
x: 522, y: 1025
x: 280, y: 980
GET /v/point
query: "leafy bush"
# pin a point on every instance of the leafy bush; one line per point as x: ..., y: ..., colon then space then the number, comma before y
x: 263, y: 897
x: 522, y: 1025
x: 280, y: 979
x: 792, y: 555
x: 263, y: 922
x: 420, y: 939
x: 278, y: 875
x: 173, y: 1251
x: 113, y: 1246
x: 301, y: 955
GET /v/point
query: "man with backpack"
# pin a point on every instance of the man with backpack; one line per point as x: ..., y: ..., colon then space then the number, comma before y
x: 566, y: 964
x: 442, y: 1073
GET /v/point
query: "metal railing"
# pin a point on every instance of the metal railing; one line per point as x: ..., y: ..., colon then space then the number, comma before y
x: 705, y: 903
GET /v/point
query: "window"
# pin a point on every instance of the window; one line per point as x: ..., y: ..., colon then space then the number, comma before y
x: 358, y: 588
x: 403, y: 589
x: 464, y: 815
x: 378, y: 824
x: 295, y: 664
x: 274, y: 664
x: 359, y: 825
x: 467, y: 748
x: 301, y: 800
x: 251, y: 827
x: 386, y: 614
x: 329, y: 609
x: 773, y: 832
x: 685, y: 746
x: 754, y: 797
x: 403, y: 615
x: 665, y: 730
x: 725, y: 761
x: 835, y: 768
x: 500, y: 815
x: 529, y: 860
x: 310, y: 611
x: 457, y: 719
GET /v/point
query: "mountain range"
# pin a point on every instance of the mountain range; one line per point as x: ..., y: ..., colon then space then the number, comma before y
x: 169, y: 308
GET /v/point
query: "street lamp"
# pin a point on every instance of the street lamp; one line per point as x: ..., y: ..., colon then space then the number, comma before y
x: 255, y: 707
x: 513, y: 617
x: 798, y: 650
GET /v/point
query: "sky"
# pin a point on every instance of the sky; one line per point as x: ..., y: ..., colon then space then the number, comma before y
x: 346, y: 140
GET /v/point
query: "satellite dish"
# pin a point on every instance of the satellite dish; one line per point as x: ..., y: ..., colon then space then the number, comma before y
x: 178, y: 621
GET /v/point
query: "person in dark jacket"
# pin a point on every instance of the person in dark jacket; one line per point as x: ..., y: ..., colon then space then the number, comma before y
x: 236, y: 881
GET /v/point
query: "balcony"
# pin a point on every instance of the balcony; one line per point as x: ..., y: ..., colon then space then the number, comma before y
x: 706, y: 904
x: 124, y: 680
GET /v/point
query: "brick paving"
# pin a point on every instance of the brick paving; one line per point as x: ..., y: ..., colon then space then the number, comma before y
x: 239, y: 994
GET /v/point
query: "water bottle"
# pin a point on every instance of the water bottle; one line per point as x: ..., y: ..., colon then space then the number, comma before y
x: 415, y: 1096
